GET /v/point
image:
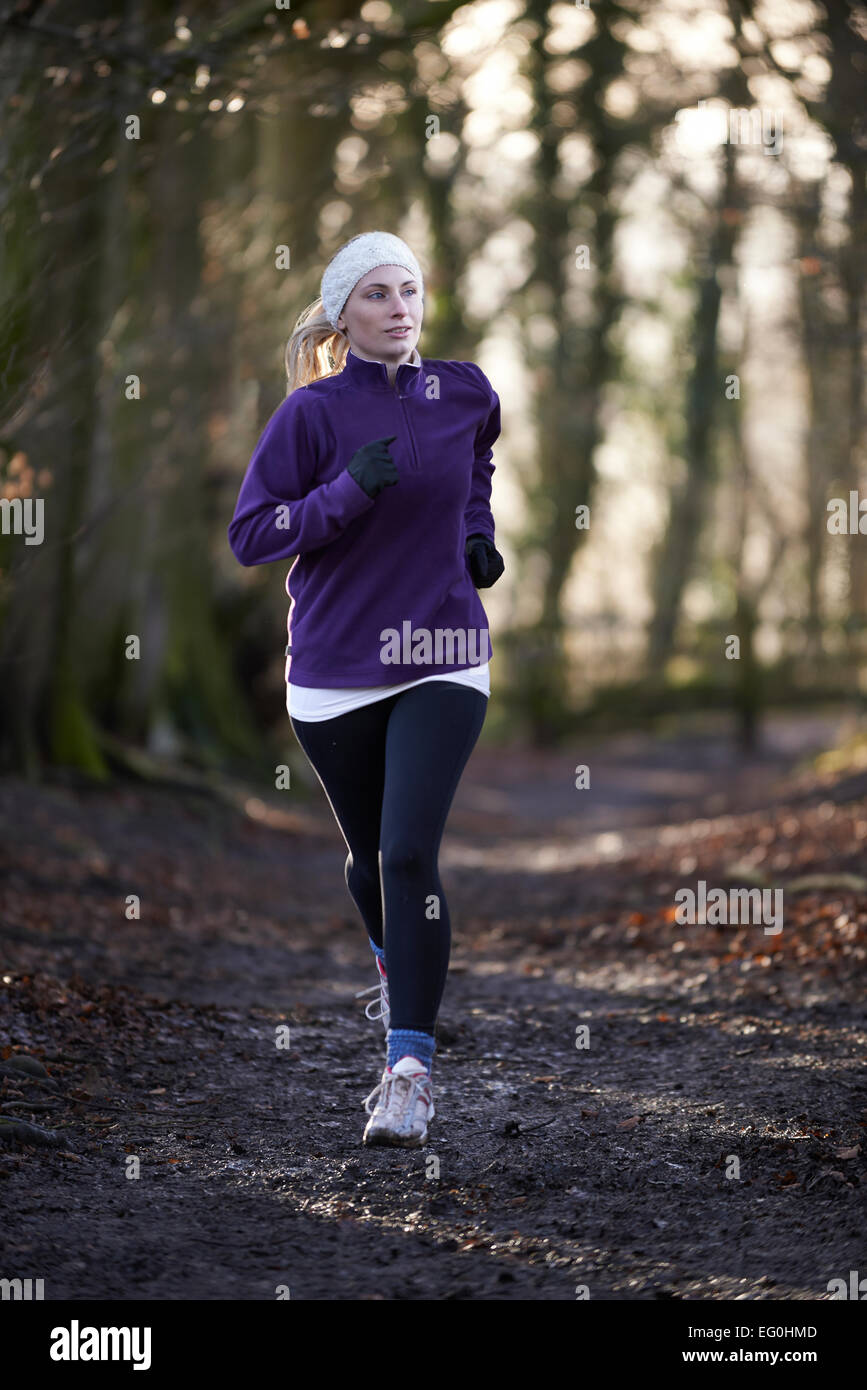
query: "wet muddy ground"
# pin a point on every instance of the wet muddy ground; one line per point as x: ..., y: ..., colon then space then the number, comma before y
x: 708, y: 1143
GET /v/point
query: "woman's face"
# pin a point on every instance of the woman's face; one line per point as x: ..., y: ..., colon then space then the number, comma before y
x: 386, y: 298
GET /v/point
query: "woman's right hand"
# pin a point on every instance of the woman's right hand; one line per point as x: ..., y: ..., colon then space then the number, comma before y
x: 372, y: 466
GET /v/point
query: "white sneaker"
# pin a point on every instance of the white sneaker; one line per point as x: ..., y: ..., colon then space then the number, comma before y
x: 381, y: 1001
x: 404, y: 1107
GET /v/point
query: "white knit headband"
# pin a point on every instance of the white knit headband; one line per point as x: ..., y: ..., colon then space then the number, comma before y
x: 354, y: 259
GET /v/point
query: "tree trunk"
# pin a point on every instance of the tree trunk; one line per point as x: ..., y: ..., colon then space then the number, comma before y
x: 690, y: 504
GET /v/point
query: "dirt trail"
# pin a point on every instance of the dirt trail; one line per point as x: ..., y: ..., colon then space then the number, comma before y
x: 548, y: 1167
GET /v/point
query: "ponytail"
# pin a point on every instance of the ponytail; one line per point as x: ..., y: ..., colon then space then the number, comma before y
x: 314, y: 349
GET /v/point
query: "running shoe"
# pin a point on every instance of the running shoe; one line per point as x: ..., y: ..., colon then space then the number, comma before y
x: 404, y: 1105
x: 381, y: 1001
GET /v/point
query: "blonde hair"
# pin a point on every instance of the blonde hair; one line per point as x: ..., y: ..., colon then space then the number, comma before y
x: 314, y: 349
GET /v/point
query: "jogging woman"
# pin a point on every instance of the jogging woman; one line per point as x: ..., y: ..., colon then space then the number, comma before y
x: 375, y: 473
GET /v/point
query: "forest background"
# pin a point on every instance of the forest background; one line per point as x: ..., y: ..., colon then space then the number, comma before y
x: 645, y: 221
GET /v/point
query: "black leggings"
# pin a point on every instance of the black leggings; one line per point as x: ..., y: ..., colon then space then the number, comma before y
x: 390, y: 770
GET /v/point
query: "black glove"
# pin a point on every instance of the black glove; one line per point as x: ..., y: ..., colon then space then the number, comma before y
x: 486, y: 562
x: 372, y: 466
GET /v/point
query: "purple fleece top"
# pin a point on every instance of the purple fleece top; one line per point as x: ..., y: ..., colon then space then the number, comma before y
x: 396, y: 561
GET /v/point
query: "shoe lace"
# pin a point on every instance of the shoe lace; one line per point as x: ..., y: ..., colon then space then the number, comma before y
x: 381, y: 989
x: 389, y: 1079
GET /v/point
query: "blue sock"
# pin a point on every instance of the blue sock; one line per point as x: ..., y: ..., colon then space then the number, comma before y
x: 406, y: 1042
x: 379, y: 951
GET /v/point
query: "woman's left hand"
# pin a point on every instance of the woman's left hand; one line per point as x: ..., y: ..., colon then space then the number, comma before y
x: 486, y: 562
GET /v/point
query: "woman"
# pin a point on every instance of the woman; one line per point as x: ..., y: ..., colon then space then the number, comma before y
x: 377, y: 477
